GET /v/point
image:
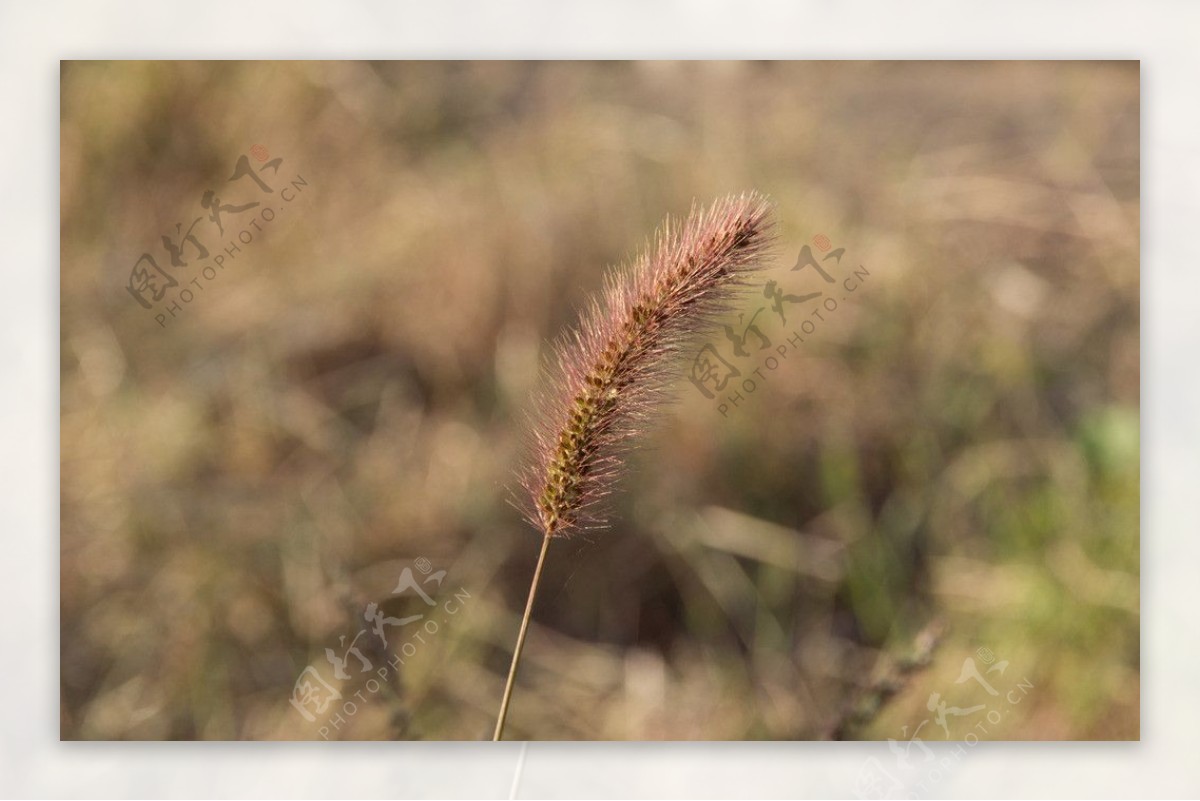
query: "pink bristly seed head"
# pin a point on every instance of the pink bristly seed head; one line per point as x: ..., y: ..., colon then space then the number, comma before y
x: 613, y: 373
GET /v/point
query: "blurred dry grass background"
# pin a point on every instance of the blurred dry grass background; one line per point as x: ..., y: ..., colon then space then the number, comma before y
x: 958, y: 443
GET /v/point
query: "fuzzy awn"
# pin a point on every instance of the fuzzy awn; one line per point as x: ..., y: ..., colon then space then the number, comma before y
x: 614, y: 371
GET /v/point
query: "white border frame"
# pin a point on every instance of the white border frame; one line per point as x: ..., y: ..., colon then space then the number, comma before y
x: 33, y: 37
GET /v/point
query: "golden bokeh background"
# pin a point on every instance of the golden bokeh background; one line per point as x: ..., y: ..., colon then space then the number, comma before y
x: 954, y: 449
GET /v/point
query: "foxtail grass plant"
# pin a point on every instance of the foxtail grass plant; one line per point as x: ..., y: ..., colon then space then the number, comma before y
x: 611, y: 375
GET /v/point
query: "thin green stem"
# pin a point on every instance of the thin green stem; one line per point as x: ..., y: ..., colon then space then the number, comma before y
x: 512, y: 670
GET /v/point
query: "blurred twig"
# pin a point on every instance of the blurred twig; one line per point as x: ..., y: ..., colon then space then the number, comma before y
x: 866, y: 705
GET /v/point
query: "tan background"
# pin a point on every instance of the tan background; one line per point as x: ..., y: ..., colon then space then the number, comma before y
x: 958, y: 444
